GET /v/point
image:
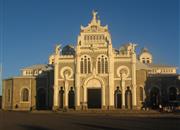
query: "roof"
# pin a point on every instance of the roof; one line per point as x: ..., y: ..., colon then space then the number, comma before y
x: 161, y: 65
x: 39, y: 66
x: 142, y: 66
x: 19, y: 77
x: 68, y: 50
x: 164, y: 75
x: 35, y: 66
x: 22, y: 77
x: 144, y: 50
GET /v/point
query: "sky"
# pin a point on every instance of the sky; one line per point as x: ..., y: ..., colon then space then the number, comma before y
x: 29, y: 29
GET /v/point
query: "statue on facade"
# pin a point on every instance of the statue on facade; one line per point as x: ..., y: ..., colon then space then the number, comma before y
x: 57, y: 49
x: 133, y: 47
x: 94, y: 19
x: 94, y: 14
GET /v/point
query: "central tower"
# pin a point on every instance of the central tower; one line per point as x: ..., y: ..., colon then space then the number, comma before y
x: 94, y: 58
x: 94, y: 35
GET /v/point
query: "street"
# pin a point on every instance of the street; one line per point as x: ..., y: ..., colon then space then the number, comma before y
x: 87, y: 121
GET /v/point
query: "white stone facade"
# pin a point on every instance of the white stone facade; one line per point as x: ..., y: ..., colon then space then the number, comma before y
x: 95, y: 65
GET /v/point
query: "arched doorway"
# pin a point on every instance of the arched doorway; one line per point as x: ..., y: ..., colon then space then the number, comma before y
x: 41, y: 98
x: 71, y: 98
x: 172, y: 93
x: 94, y: 93
x: 94, y: 98
x: 118, y: 100
x: 128, y: 98
x: 61, y: 98
x: 154, y: 97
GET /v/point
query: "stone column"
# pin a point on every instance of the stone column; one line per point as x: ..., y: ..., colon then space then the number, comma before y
x: 103, y: 98
x: 56, y: 77
x: 85, y: 98
x: 77, y: 98
x: 56, y: 89
x: 111, y: 77
x: 134, y: 98
x: 56, y: 104
x: 77, y: 83
x: 66, y: 94
x: 123, y: 92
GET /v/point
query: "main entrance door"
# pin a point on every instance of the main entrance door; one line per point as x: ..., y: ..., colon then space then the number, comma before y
x: 94, y: 98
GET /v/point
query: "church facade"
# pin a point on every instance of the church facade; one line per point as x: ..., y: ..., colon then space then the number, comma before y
x: 94, y: 75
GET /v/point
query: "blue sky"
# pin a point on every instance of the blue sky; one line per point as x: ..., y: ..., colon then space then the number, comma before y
x: 31, y: 28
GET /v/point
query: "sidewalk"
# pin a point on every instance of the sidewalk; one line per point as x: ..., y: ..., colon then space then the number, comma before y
x: 138, y: 113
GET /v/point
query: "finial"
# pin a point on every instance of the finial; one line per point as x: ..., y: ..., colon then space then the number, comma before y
x: 144, y: 49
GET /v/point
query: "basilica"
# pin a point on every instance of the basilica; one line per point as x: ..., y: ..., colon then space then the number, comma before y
x: 93, y: 75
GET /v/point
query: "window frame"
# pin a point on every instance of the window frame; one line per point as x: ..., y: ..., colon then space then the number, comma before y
x: 22, y: 96
x: 85, y: 64
x: 102, y: 64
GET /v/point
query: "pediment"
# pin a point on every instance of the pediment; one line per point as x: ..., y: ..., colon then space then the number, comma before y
x: 94, y: 28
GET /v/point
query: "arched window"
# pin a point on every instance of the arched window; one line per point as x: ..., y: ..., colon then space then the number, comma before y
x: 71, y: 98
x: 102, y: 64
x: 81, y: 65
x: 118, y: 98
x: 141, y: 93
x: 25, y: 95
x: 128, y: 98
x: 89, y: 65
x: 85, y: 65
x: 99, y: 66
x: 61, y: 98
x: 106, y: 65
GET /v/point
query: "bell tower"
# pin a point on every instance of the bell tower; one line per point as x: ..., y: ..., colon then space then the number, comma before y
x: 94, y: 35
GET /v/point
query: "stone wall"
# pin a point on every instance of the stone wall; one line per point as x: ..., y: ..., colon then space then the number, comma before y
x: 12, y: 92
x: 7, y: 94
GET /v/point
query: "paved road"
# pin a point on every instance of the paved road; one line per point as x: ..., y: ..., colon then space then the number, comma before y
x: 87, y: 121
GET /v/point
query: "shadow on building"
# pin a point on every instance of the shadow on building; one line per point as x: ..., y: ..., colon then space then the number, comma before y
x: 162, y: 92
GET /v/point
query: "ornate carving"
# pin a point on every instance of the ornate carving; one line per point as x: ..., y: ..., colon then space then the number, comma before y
x: 123, y: 72
x: 66, y: 73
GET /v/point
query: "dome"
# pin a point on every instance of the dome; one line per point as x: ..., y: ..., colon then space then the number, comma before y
x: 144, y: 50
x: 145, y: 56
x: 68, y: 50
